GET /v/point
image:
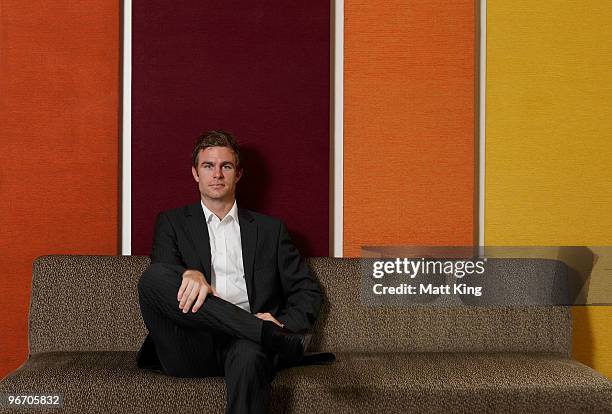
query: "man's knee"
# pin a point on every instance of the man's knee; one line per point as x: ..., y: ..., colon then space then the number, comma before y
x: 155, y: 275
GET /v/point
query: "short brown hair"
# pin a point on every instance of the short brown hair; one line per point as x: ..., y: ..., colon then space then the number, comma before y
x: 218, y: 138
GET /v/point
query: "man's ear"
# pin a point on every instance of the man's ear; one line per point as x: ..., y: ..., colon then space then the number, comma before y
x: 194, y: 172
x: 239, y: 174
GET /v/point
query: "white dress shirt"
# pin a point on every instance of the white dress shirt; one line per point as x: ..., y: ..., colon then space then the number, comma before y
x: 227, y: 267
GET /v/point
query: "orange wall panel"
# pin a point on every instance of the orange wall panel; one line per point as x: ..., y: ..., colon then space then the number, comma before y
x: 59, y: 174
x: 409, y: 123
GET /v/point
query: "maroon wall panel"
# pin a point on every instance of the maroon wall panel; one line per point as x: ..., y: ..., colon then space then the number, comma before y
x: 259, y: 69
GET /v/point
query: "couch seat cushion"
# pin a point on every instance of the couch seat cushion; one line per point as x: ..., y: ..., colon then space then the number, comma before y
x: 446, y: 382
x: 358, y: 382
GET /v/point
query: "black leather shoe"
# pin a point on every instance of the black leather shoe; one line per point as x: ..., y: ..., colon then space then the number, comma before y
x: 288, y: 345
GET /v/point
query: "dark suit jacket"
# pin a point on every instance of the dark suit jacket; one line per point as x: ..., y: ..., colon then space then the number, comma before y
x: 278, y: 280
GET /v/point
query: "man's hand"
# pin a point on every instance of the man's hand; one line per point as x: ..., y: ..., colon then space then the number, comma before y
x: 194, y: 288
x: 267, y: 317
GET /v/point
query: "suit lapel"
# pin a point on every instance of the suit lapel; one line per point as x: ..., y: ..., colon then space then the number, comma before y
x: 248, y: 238
x: 196, y: 223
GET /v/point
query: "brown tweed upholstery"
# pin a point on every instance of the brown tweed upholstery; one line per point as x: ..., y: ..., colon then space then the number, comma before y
x: 97, y: 295
x: 101, y: 382
x: 347, y: 325
x: 85, y: 328
x: 86, y: 303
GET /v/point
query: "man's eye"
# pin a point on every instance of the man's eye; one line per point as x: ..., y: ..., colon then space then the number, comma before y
x: 227, y: 167
x: 207, y: 166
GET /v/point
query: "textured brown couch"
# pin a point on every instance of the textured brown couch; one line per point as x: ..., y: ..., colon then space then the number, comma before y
x: 85, y: 329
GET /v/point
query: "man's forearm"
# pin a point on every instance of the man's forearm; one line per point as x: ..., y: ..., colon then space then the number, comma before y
x: 301, y: 316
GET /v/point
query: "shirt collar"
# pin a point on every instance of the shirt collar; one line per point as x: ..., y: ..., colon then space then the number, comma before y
x: 209, y: 215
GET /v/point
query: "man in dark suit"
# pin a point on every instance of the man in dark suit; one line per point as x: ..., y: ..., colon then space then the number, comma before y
x: 227, y: 293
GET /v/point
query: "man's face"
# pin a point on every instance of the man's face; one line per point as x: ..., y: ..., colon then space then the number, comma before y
x: 217, y: 174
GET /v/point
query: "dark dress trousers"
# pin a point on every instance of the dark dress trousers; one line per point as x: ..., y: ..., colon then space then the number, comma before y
x: 221, y: 338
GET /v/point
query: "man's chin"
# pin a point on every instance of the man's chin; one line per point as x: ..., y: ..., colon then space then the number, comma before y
x: 218, y: 196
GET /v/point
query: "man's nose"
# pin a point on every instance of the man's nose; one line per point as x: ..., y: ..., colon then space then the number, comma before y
x: 218, y: 172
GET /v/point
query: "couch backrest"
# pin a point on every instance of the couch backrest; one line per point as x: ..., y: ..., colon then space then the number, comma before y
x: 86, y: 303
x: 347, y: 324
x: 91, y: 303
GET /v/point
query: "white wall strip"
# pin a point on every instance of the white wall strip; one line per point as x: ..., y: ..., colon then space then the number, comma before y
x: 126, y: 139
x: 338, y: 127
x: 482, y: 127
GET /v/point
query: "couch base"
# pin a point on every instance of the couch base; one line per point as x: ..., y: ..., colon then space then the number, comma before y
x: 357, y: 383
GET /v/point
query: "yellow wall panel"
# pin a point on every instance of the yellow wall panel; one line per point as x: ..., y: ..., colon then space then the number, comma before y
x: 549, y: 138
